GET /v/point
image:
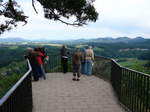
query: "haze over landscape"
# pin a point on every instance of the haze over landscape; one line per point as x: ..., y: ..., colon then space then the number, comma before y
x: 126, y: 18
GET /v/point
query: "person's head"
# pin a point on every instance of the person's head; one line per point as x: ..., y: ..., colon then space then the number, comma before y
x: 82, y: 50
x: 64, y: 46
x: 41, y: 49
x: 29, y: 49
x: 36, y: 49
x: 89, y: 47
x: 77, y: 50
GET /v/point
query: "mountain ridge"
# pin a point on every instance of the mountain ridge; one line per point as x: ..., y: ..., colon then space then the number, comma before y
x: 73, y: 41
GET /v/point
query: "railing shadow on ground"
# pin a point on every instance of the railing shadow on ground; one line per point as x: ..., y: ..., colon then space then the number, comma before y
x: 19, y: 97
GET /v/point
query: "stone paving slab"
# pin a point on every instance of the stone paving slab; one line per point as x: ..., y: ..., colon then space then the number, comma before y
x: 58, y: 93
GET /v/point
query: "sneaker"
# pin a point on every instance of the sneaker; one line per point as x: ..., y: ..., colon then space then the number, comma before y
x: 74, y: 79
x: 78, y: 79
x: 44, y: 78
x: 36, y: 80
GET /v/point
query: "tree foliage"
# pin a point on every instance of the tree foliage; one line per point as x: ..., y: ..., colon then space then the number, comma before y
x: 82, y: 12
x: 12, y: 14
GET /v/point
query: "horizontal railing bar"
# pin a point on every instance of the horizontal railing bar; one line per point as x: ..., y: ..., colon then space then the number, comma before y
x: 116, y: 62
x: 97, y: 56
x: 147, y: 75
x: 144, y: 74
x: 8, y: 94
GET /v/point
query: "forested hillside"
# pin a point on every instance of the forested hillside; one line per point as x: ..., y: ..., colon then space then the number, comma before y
x: 13, y: 65
x: 11, y: 53
x: 119, y: 50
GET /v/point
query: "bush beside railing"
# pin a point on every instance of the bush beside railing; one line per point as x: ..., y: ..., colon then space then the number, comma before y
x: 10, y: 74
x: 102, y: 68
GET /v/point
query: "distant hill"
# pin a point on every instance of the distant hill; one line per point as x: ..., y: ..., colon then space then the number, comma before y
x: 80, y: 41
x: 120, y: 40
x: 139, y: 40
x: 12, y: 39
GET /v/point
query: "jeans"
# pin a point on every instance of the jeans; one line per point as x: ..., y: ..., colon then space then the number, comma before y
x: 88, y: 67
x: 35, y: 72
x: 43, y: 71
x: 83, y: 67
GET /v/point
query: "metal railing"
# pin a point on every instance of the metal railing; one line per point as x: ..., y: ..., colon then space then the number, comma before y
x: 131, y: 87
x: 102, y: 67
x: 19, y: 97
x: 54, y: 63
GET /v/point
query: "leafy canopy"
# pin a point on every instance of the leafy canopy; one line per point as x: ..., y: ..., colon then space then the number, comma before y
x: 82, y: 11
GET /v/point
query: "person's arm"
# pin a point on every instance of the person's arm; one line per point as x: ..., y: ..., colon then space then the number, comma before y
x: 92, y: 55
x: 73, y: 60
x: 26, y: 56
x: 68, y: 52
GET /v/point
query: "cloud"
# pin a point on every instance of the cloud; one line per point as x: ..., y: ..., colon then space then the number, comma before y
x: 135, y: 11
x: 116, y: 18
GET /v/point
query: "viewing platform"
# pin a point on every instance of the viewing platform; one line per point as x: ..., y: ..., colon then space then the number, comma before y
x: 111, y: 88
x: 58, y: 93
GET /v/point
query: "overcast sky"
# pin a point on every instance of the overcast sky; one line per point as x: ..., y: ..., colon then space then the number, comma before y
x: 117, y: 18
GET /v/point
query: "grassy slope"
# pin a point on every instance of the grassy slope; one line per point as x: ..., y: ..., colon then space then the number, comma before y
x: 135, y: 64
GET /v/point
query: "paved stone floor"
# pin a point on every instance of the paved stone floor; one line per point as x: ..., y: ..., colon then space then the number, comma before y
x: 58, y: 93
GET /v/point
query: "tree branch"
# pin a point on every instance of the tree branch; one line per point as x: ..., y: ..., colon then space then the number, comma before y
x: 73, y: 24
x: 67, y: 23
x: 34, y: 6
x: 2, y: 5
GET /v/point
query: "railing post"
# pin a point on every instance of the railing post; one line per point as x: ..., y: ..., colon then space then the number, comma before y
x: 131, y: 87
x: 29, y: 98
x: 116, y: 74
x: 148, y: 95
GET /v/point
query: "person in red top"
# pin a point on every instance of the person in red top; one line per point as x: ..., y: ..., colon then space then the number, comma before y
x: 45, y: 58
x: 40, y: 62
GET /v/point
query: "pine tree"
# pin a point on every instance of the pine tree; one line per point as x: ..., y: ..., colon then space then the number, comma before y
x: 83, y: 11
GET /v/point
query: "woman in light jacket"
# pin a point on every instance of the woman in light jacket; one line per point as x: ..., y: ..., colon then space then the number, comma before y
x: 89, y: 58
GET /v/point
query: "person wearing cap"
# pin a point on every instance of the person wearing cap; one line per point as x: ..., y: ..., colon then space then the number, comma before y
x: 89, y: 58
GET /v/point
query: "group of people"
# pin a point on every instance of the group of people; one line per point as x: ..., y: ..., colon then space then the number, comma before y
x: 36, y: 58
x: 82, y: 61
